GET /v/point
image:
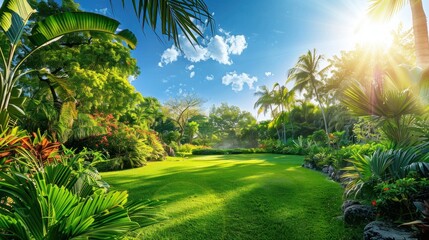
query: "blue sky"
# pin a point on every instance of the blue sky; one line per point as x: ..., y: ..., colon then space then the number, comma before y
x: 254, y: 44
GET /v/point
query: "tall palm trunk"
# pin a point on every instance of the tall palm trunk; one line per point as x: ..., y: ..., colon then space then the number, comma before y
x: 284, y: 125
x: 321, y: 108
x: 290, y: 121
x: 277, y: 129
x: 420, y: 30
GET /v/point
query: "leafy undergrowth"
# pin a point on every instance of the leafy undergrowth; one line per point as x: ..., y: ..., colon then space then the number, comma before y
x: 258, y: 196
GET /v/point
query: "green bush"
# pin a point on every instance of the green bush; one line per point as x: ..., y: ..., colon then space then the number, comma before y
x: 394, y: 200
x: 320, y: 137
x: 344, y: 154
x: 62, y: 197
x: 272, y: 146
x: 209, y: 151
x: 189, y: 148
x: 214, y: 151
x: 125, y: 146
x: 383, y: 165
x: 319, y: 157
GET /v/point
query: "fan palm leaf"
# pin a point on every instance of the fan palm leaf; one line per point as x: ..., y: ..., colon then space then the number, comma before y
x: 173, y: 17
x: 47, y: 208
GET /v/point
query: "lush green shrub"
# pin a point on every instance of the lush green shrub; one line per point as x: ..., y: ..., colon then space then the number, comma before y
x: 174, y: 146
x: 319, y: 157
x: 125, y: 146
x: 383, y: 165
x: 394, y: 200
x: 345, y: 153
x: 208, y: 151
x: 320, y: 137
x: 272, y: 146
x: 60, y: 194
x: 214, y: 151
x: 189, y: 148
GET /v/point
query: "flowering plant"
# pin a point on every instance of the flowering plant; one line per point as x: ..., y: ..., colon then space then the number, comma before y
x: 399, y: 195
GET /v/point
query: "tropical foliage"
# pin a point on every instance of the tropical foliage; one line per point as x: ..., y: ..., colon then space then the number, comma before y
x: 174, y: 16
x: 14, y: 16
x: 48, y: 195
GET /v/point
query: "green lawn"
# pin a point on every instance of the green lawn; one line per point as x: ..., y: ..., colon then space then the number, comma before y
x: 259, y: 196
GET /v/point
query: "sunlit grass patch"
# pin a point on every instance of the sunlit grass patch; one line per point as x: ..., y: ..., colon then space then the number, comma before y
x: 259, y: 196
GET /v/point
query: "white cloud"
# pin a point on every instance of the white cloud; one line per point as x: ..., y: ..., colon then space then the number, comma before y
x: 209, y: 77
x: 218, y: 48
x: 192, y: 74
x: 168, y: 56
x: 269, y: 74
x: 190, y: 67
x: 236, y: 44
x: 193, y: 53
x: 238, y: 80
x: 131, y: 78
x: 102, y: 11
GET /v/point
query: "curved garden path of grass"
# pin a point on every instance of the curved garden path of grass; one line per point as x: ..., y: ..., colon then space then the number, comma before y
x: 258, y: 196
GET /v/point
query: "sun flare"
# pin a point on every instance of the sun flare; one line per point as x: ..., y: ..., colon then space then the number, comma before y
x: 373, y: 34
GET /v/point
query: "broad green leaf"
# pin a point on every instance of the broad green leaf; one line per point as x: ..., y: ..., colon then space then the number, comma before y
x: 58, y: 25
x: 128, y: 37
x: 14, y: 15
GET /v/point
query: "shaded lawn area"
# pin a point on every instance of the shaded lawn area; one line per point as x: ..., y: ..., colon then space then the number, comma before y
x: 258, y: 196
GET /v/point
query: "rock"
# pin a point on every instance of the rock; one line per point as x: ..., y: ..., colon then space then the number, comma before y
x: 348, y: 203
x: 169, y: 150
x: 337, y: 176
x: 358, y: 214
x: 331, y: 170
x: 325, y: 169
x: 308, y: 165
x: 378, y: 230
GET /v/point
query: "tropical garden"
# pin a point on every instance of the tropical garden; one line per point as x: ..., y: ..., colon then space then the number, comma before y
x: 84, y: 155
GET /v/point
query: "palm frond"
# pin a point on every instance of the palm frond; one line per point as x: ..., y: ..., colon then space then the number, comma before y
x: 384, y: 9
x: 173, y: 17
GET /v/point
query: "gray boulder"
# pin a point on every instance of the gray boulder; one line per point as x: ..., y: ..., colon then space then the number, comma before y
x: 358, y: 214
x: 308, y: 165
x: 378, y: 230
x: 348, y: 203
x: 325, y: 169
x: 331, y: 170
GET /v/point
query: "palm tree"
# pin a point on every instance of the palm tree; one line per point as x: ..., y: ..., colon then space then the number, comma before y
x: 265, y: 100
x: 307, y: 76
x: 386, y: 8
x: 265, y: 103
x: 283, y: 98
x: 173, y: 15
x: 14, y: 16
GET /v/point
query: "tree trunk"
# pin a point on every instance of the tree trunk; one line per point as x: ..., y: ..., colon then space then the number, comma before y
x: 321, y: 109
x: 284, y: 126
x: 420, y: 30
x: 277, y: 129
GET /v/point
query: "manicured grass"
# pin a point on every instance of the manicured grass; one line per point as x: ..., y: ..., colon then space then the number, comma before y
x: 257, y: 196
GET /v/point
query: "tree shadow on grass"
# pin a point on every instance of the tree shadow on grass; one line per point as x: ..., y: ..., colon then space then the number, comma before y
x: 239, y: 197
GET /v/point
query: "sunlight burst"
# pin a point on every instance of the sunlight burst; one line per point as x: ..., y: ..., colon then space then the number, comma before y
x: 373, y: 34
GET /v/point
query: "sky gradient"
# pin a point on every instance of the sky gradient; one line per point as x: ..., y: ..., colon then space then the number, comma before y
x: 254, y: 44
